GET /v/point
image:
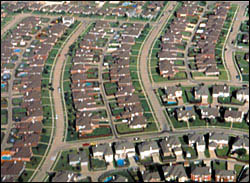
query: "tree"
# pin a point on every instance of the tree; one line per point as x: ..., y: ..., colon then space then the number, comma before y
x: 241, y: 152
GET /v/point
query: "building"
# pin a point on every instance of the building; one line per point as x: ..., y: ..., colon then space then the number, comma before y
x: 124, y: 150
x: 151, y: 177
x: 103, y: 152
x: 201, y: 174
x: 210, y: 113
x: 221, y: 91
x: 197, y: 141
x: 78, y: 158
x: 220, y: 139
x: 186, y: 114
x: 243, y: 94
x: 175, y: 173
x: 173, y: 92
x: 241, y: 142
x: 148, y: 149
x: 225, y: 176
x: 233, y: 116
x: 201, y: 93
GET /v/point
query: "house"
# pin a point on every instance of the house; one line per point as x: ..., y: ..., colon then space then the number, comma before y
x: 201, y: 174
x: 233, y: 116
x: 167, y: 68
x: 185, y: 115
x: 65, y: 176
x: 178, y: 151
x: 165, y: 149
x: 220, y: 139
x: 173, y: 142
x: 225, y: 176
x: 201, y: 93
x: 138, y: 122
x: 243, y: 94
x: 103, y: 151
x: 241, y: 142
x: 221, y: 91
x: 85, y: 123
x: 210, y: 113
x: 124, y: 150
x: 78, y: 158
x: 147, y: 149
x: 197, y: 141
x: 151, y: 177
x: 11, y: 169
x: 175, y: 173
x: 21, y: 154
x: 173, y: 92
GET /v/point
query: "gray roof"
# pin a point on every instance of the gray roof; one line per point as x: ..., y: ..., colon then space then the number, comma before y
x: 197, y: 138
x: 145, y: 146
x: 233, y: 114
x: 220, y: 88
x: 218, y: 136
x: 62, y: 176
x: 242, y: 141
x: 176, y: 171
x: 173, y: 140
x: 210, y: 111
x: 225, y: 172
x: 105, y: 148
x: 201, y: 90
x: 151, y: 175
x: 187, y: 113
x: 79, y: 156
x: 201, y: 171
x: 244, y: 91
x: 122, y: 145
x: 170, y: 90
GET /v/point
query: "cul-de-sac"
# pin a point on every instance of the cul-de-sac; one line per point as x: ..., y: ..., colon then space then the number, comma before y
x: 124, y: 91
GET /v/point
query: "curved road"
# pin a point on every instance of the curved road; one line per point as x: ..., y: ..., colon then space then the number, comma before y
x: 59, y: 131
x: 146, y: 84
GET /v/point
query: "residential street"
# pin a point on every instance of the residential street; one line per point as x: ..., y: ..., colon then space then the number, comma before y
x: 58, y: 141
x: 230, y: 48
x: 144, y: 71
x: 60, y: 127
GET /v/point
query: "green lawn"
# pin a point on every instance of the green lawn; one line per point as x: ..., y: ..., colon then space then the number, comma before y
x: 17, y: 101
x: 25, y: 176
x: 110, y: 88
x: 63, y: 164
x: 124, y: 128
x: 222, y: 152
x: 238, y: 169
x: 191, y: 151
x: 4, y: 116
x: 39, y: 150
x: 33, y: 163
x: 219, y: 165
x: 97, y: 164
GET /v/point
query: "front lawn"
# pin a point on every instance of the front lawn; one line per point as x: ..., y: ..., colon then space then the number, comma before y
x: 63, y: 163
x: 222, y: 152
x: 97, y: 164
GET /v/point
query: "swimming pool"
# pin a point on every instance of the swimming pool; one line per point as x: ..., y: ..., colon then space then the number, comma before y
x: 3, y: 85
x: 126, y: 3
x: 108, y: 179
x: 22, y: 74
x: 88, y: 84
x: 6, y: 157
x: 120, y: 162
x: 17, y: 50
x: 171, y: 102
